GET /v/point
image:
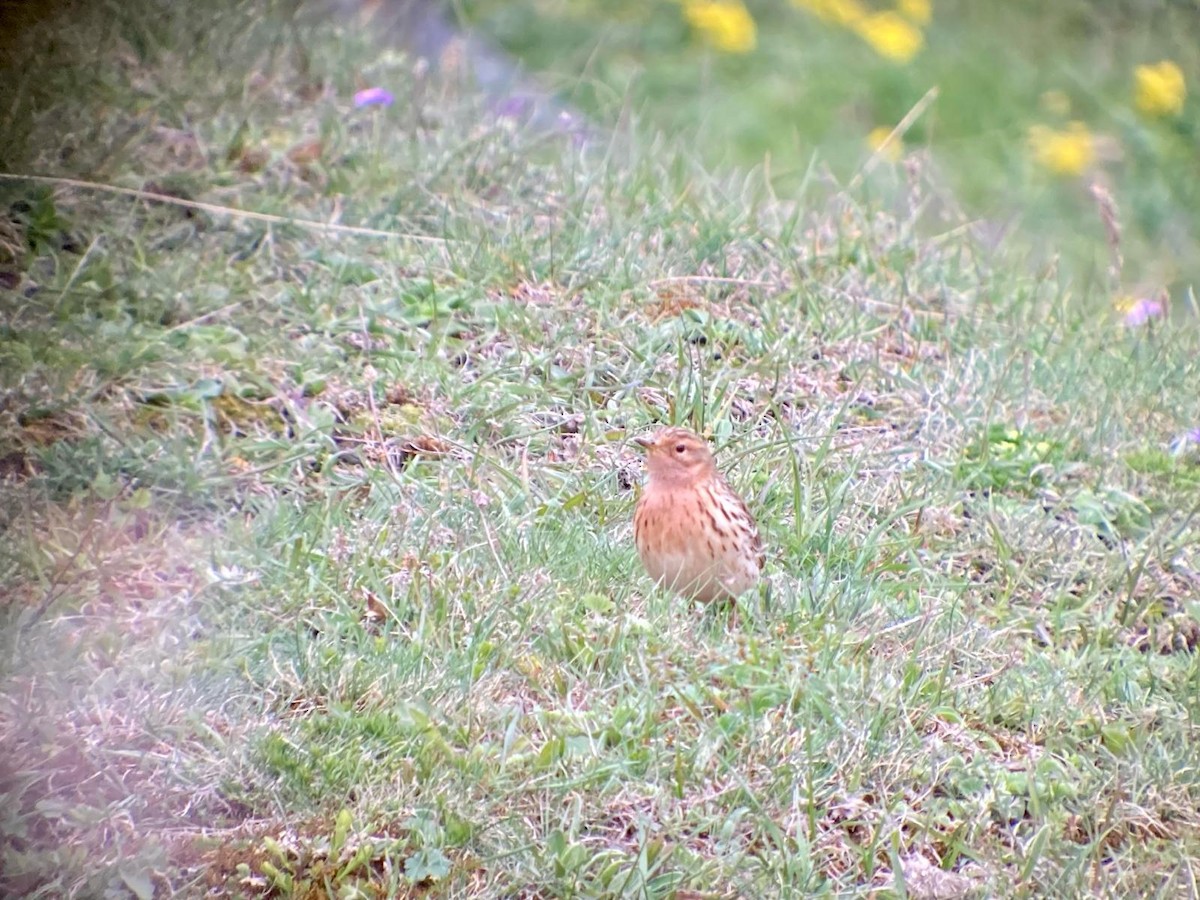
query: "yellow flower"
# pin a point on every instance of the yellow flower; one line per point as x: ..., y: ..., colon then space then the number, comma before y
x: 891, y: 35
x: 878, y: 141
x: 1159, y: 90
x: 1067, y: 152
x: 919, y: 11
x: 727, y: 24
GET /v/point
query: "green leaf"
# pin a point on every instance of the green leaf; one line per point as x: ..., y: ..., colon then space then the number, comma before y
x: 598, y: 603
x: 341, y: 828
x: 552, y: 751
x: 429, y: 864
x: 139, y: 883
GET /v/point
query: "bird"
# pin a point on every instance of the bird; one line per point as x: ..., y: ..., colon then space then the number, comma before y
x: 693, y: 532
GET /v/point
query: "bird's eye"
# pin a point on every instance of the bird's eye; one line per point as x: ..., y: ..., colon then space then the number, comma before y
x: 679, y: 448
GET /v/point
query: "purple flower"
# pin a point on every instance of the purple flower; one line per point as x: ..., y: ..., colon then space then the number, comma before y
x: 1186, y: 442
x: 373, y: 96
x: 1142, y: 311
x: 514, y: 107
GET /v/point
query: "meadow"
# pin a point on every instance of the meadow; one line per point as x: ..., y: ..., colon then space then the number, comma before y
x: 317, y: 485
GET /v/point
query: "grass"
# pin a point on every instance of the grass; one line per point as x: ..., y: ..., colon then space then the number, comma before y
x: 317, y: 564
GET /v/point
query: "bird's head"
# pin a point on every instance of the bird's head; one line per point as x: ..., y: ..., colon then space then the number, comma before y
x: 677, y: 456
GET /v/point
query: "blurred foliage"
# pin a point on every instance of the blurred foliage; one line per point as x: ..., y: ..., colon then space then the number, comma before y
x: 57, y: 49
x: 1035, y: 103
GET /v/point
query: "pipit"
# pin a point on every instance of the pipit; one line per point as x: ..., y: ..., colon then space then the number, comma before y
x: 693, y: 532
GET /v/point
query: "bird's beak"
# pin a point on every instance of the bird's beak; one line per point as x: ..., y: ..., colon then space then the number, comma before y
x: 644, y: 441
